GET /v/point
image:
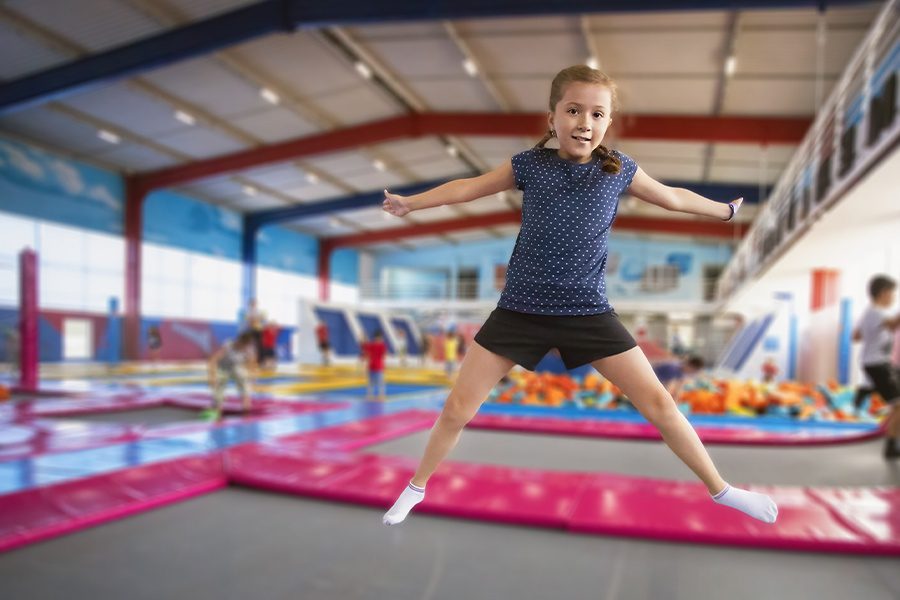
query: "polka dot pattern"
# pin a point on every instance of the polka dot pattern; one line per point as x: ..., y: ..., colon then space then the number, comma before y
x: 558, y: 265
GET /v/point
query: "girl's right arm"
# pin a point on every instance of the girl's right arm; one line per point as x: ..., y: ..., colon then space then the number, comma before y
x: 452, y: 192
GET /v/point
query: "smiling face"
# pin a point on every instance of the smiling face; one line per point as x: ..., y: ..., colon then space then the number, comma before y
x: 581, y: 118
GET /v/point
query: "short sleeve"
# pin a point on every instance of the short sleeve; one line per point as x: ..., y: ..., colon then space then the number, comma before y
x: 523, y: 166
x: 629, y: 168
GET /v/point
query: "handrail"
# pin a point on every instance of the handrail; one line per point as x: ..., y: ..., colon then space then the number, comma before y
x: 852, y: 131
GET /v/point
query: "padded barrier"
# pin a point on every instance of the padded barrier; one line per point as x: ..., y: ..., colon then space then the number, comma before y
x: 46, y: 512
x: 734, y: 435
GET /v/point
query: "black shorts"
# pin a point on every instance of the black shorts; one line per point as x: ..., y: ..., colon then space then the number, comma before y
x: 886, y: 381
x: 324, y: 346
x: 526, y: 338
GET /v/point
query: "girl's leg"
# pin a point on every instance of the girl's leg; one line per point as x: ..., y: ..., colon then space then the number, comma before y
x: 480, y: 371
x: 632, y: 373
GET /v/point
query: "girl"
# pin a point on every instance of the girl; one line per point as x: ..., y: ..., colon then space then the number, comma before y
x: 555, y: 294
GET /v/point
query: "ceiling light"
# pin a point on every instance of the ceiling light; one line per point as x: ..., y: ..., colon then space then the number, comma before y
x: 269, y: 96
x: 363, y: 69
x: 452, y: 150
x: 185, y: 117
x: 470, y: 67
x: 593, y: 63
x: 379, y: 165
x: 730, y: 65
x: 249, y: 190
x: 312, y: 178
x: 108, y: 136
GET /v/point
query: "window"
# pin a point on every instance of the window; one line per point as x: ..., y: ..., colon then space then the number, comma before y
x: 180, y: 284
x: 78, y: 269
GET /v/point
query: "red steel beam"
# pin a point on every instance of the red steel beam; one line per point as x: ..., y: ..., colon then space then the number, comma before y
x: 697, y: 227
x: 754, y: 130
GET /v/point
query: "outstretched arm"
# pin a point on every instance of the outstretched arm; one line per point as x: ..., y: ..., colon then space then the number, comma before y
x: 452, y: 192
x: 649, y: 190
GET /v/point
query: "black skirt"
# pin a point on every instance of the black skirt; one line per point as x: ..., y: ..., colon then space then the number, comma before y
x: 581, y: 339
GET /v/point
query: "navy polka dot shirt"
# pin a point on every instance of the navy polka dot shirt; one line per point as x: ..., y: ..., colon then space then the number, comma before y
x: 558, y: 265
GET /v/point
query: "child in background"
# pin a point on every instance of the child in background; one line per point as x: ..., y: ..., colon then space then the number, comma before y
x: 234, y: 361
x: 426, y: 348
x: 876, y: 330
x: 691, y: 369
x: 269, y: 341
x: 374, y: 352
x: 154, y: 345
x: 324, y: 344
x: 451, y: 352
x: 769, y: 371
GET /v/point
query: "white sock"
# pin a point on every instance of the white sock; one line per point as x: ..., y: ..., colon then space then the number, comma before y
x: 411, y: 496
x: 758, y: 506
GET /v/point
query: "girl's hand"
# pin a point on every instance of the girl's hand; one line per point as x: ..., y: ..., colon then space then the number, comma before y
x: 394, y: 204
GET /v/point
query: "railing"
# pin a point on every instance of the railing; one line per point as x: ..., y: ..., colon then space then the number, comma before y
x: 851, y: 133
x: 694, y: 294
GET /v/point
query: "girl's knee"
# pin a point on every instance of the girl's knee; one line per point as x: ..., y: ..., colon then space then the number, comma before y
x: 456, y: 412
x: 660, y: 408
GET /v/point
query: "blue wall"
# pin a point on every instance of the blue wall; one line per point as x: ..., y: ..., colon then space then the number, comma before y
x: 287, y: 250
x: 345, y: 266
x: 174, y: 220
x: 40, y: 185
x: 631, y: 261
x: 481, y: 255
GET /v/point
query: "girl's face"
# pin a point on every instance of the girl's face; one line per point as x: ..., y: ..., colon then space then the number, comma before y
x: 580, y: 119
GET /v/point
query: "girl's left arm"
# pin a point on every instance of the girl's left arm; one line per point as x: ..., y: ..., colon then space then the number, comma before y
x: 649, y: 190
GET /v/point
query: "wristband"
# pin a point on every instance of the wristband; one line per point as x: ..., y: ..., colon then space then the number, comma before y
x: 733, y: 211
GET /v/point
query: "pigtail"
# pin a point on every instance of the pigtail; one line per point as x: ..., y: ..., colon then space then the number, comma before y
x: 544, y: 139
x: 610, y: 163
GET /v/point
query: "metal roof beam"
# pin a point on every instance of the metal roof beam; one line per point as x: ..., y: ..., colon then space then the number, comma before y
x: 270, y: 16
x: 730, y: 129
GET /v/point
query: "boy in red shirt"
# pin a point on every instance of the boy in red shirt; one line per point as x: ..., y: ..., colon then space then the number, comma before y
x: 322, y: 340
x: 268, y: 357
x: 374, y: 352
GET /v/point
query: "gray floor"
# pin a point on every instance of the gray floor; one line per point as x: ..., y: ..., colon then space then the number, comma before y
x: 244, y: 544
x: 847, y: 464
x: 162, y: 415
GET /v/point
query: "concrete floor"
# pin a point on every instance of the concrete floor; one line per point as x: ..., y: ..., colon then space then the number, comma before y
x: 846, y: 464
x: 241, y: 544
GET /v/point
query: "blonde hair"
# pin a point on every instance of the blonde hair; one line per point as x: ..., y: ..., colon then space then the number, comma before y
x: 584, y: 74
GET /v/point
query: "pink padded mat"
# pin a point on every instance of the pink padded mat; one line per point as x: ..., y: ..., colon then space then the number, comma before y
x: 860, y: 521
x: 745, y: 436
x: 50, y: 511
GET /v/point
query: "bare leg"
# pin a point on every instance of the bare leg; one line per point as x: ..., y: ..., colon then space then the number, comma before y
x: 244, y: 390
x: 481, y: 370
x: 632, y: 373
